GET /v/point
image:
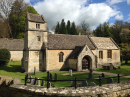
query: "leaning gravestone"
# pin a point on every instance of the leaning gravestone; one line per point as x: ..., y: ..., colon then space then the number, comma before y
x: 92, y: 84
x: 90, y: 74
x: 70, y: 72
x: 109, y: 80
x: 84, y: 83
x: 50, y: 76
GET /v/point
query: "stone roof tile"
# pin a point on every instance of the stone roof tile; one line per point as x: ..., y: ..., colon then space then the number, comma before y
x: 61, y: 41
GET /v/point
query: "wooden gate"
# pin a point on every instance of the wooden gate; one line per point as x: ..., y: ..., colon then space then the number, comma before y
x: 85, y: 64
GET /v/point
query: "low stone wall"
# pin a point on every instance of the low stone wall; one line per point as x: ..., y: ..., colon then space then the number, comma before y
x: 18, y: 89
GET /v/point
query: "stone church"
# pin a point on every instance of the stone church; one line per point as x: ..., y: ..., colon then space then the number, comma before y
x: 50, y: 52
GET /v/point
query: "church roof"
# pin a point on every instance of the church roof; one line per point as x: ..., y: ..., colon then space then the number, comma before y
x: 61, y: 41
x: 36, y: 18
x: 104, y: 43
x: 12, y: 44
x: 74, y: 54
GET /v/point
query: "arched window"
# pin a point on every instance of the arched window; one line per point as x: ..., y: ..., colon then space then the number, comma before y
x: 61, y: 56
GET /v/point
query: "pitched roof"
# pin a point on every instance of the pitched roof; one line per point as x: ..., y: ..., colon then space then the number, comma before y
x: 104, y: 43
x: 36, y: 18
x: 61, y: 41
x: 74, y: 54
x: 12, y: 44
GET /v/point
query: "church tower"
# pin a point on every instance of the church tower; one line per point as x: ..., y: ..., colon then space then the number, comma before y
x: 35, y: 39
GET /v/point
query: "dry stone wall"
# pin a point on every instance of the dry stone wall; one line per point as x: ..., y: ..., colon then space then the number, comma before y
x: 13, y: 88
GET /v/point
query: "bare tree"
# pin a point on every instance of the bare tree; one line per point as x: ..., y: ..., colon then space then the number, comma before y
x: 3, y: 28
x: 85, y: 27
x: 5, y: 6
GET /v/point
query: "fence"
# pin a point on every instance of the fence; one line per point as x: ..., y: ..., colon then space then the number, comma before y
x: 99, y: 79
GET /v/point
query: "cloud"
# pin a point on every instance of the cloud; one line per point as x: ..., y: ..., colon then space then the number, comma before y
x: 128, y: 2
x: 128, y: 17
x: 119, y: 17
x: 112, y: 2
x: 75, y: 10
x: 27, y: 1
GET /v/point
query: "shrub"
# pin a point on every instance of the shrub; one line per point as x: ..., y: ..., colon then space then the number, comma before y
x: 4, y: 56
x: 125, y: 44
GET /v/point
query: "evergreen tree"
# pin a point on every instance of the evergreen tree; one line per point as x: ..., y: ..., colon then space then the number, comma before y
x: 73, y: 30
x: 68, y: 27
x: 57, y: 29
x: 62, y: 28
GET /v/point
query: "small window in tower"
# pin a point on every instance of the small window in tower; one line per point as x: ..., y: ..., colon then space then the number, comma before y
x: 38, y: 38
x: 37, y: 26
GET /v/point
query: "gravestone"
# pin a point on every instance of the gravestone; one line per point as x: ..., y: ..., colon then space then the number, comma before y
x: 49, y: 84
x: 103, y: 75
x: 92, y: 84
x: 30, y: 79
x: 70, y: 72
x: 34, y: 70
x: 43, y: 83
x: 16, y: 81
x: 115, y: 68
x: 73, y: 83
x: 56, y: 77
x: 38, y: 82
x: 119, y: 67
x: 50, y: 76
x: 84, y: 83
x: 109, y: 80
x: 90, y: 74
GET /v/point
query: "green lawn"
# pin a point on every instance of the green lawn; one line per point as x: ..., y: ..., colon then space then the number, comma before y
x: 124, y: 69
x: 13, y: 70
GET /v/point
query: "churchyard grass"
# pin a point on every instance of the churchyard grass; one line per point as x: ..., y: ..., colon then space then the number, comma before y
x: 13, y: 70
x: 124, y: 69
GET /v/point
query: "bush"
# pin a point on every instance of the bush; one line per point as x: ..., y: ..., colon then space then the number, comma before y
x: 4, y: 56
x: 125, y: 44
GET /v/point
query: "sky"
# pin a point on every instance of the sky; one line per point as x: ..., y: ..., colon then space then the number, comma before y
x: 93, y: 12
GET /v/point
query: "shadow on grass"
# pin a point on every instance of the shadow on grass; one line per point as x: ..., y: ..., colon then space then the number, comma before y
x: 11, y: 68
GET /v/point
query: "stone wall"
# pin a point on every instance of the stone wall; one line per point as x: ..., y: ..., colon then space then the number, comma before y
x: 16, y: 55
x: 13, y: 88
x: 115, y: 60
x: 53, y: 59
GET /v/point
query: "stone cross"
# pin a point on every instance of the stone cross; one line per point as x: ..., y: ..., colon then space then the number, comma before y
x: 43, y: 83
x: 56, y: 77
x: 70, y: 72
x: 109, y: 80
x: 50, y: 76
x: 92, y: 84
x: 84, y: 83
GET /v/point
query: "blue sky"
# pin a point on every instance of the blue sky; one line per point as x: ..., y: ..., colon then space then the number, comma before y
x: 93, y: 12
